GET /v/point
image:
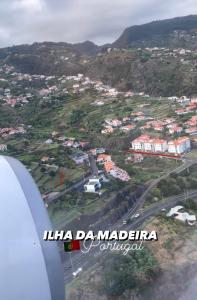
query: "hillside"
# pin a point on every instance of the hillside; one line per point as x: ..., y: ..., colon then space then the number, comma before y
x: 172, y: 33
x: 127, y: 63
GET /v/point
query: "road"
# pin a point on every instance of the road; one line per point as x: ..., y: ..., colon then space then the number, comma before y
x: 86, y: 261
x: 153, y: 184
x: 79, y: 259
x: 93, y: 166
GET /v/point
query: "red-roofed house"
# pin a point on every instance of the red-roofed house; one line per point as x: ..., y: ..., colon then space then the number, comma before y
x: 194, y: 100
x: 102, y: 158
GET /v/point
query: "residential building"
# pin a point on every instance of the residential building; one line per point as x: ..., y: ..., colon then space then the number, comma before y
x: 194, y: 100
x: 182, y: 216
x: 191, y: 130
x: 179, y: 145
x: 107, y: 130
x: 49, y: 141
x: 79, y: 157
x: 127, y: 128
x: 93, y: 185
x: 146, y: 143
x: 160, y: 145
x: 102, y: 158
x: 192, y: 121
x: 45, y: 159
x: 3, y: 147
x: 138, y: 143
x: 175, y: 129
x: 96, y: 151
x: 119, y: 173
x: 108, y: 166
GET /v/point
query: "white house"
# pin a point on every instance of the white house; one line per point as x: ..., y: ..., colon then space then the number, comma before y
x: 93, y: 185
x: 49, y: 141
x: 3, y: 147
x: 181, y: 216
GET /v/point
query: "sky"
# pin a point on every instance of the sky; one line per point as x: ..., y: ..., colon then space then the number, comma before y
x: 101, y: 21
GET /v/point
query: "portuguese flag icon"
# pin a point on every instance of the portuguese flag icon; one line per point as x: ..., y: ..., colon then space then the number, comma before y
x: 71, y: 246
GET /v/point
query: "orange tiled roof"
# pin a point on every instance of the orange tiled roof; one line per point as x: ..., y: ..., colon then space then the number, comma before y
x: 108, y: 166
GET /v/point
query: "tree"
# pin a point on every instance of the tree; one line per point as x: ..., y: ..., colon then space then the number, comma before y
x: 76, y: 116
x: 52, y: 173
x: 126, y: 272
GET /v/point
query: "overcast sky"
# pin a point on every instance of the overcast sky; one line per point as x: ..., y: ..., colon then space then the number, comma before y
x: 101, y: 21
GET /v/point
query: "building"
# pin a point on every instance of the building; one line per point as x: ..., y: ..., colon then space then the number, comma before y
x: 93, y: 185
x: 102, y: 158
x: 44, y: 159
x: 176, y: 129
x: 194, y: 100
x: 138, y: 158
x: 117, y: 172
x: 107, y: 130
x: 146, y: 143
x: 127, y: 128
x: 3, y: 147
x: 179, y: 145
x: 96, y: 151
x: 160, y: 145
x: 138, y: 143
x: 192, y: 121
x: 79, y: 158
x: 49, y: 141
x: 191, y: 130
x: 181, y: 216
x: 114, y: 122
x: 108, y: 166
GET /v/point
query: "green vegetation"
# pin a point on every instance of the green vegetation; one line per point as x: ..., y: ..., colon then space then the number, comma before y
x: 176, y: 184
x: 122, y: 273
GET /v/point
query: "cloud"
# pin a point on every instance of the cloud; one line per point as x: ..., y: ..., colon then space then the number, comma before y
x: 27, y: 5
x: 27, y: 21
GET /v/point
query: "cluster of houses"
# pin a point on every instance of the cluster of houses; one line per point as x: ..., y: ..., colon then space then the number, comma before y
x: 188, y: 106
x: 166, y: 52
x: 147, y: 143
x: 82, y: 83
x: 15, y: 79
x: 129, y: 123
x: 11, y: 100
x: 69, y: 142
x: 124, y: 124
x: 5, y: 132
x: 170, y: 125
x: 111, y: 168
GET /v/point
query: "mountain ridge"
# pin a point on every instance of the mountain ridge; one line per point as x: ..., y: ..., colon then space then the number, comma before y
x: 131, y: 36
x: 136, y: 67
